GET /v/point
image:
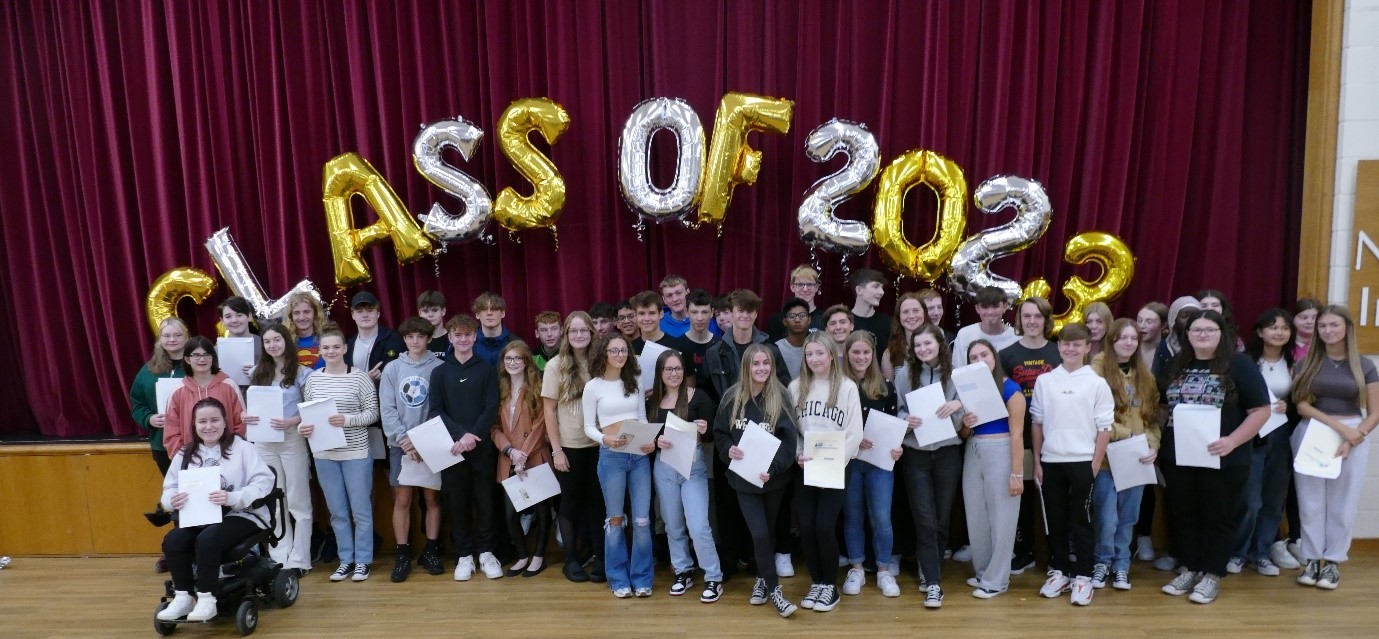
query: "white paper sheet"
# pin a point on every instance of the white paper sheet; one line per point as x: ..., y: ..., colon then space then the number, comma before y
x: 433, y: 442
x: 885, y: 432
x: 758, y: 451
x: 977, y: 390
x: 539, y: 485
x: 1317, y: 450
x: 1195, y: 427
x: 683, y: 438
x: 924, y: 403
x: 378, y: 444
x: 647, y: 361
x: 265, y: 403
x: 323, y: 435
x: 162, y: 392
x: 234, y: 353
x: 638, y: 434
x: 1275, y: 419
x: 827, y: 459
x: 1124, y: 457
x: 415, y: 473
x: 198, y: 484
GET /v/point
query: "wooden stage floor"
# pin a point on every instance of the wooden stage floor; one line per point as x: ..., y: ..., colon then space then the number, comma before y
x: 116, y: 597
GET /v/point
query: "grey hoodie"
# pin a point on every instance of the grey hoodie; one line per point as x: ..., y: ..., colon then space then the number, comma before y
x: 404, y: 394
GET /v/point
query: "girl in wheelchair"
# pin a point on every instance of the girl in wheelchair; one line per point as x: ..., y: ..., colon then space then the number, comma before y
x: 194, y: 554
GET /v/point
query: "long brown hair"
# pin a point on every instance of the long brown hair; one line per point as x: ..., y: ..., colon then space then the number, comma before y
x: 1312, y: 364
x: 598, y: 362
x: 1140, y: 379
x: 896, y: 346
x: 192, y: 447
x: 945, y: 355
x: 531, y: 378
x: 265, y: 368
x: 658, y: 387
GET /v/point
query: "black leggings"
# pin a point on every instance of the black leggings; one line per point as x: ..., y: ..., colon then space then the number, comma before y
x: 581, y: 503
x: 818, y: 510
x: 540, y: 529
x: 759, y: 511
x: 205, y: 546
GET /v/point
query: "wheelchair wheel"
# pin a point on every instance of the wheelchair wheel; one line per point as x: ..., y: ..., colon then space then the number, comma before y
x: 163, y: 628
x: 247, y: 618
x: 286, y: 586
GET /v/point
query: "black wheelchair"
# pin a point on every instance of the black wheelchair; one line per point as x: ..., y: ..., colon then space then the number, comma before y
x: 248, y: 577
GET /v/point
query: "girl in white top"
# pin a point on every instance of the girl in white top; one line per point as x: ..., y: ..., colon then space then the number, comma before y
x: 277, y: 366
x: 611, y: 397
x: 825, y: 400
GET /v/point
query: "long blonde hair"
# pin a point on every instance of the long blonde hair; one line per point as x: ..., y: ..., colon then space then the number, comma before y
x: 835, y: 376
x: 574, y: 373
x: 1146, y: 397
x: 318, y: 325
x: 161, y: 362
x: 871, y: 383
x: 772, y: 393
x: 1312, y: 364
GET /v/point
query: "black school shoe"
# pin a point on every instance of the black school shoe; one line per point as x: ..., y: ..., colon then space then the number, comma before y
x: 575, y: 572
x: 402, y: 567
x: 596, y: 573
x: 431, y: 562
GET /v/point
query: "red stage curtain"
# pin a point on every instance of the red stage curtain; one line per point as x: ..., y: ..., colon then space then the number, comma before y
x: 137, y: 129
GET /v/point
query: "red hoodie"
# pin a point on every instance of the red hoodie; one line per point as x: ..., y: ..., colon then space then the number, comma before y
x: 178, y: 429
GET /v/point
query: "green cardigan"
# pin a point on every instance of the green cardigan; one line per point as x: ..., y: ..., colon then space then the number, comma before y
x: 143, y: 401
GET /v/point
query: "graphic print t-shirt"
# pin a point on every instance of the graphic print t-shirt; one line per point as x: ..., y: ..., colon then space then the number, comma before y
x: 1196, y: 384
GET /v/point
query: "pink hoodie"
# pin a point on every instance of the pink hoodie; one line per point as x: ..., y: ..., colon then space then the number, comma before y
x: 178, y: 429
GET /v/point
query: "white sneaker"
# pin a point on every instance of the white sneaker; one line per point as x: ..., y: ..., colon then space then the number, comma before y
x: 1208, y: 588
x: 1100, y: 573
x: 489, y: 564
x: 974, y: 582
x: 1055, y: 585
x: 843, y: 562
x: 205, y: 608
x: 886, y: 582
x: 1166, y: 563
x: 1144, y: 548
x: 1296, y: 551
x: 855, y: 580
x: 464, y: 568
x: 1281, y: 557
x: 783, y: 566
x: 1235, y: 565
x: 178, y: 607
x: 1121, y: 580
x: 1082, y: 591
x: 1266, y: 567
x: 963, y: 554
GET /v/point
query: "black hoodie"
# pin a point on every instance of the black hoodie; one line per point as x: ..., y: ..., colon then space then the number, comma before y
x: 465, y: 396
x: 727, y: 434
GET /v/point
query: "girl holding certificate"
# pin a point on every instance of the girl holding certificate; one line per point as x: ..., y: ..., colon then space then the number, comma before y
x: 933, y: 471
x: 574, y: 456
x: 611, y: 397
x: 166, y: 361
x: 277, y: 366
x: 346, y: 473
x: 238, y: 319
x: 1208, y: 371
x: 1334, y: 388
x: 993, y: 481
x: 1115, y: 513
x: 759, y: 398
x: 825, y: 401
x: 201, y: 378
x: 869, y: 488
x: 684, y: 501
x: 194, y: 553
x: 520, y: 436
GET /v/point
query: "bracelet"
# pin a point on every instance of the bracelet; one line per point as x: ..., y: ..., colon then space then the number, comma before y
x: 1017, y: 476
x: 557, y: 451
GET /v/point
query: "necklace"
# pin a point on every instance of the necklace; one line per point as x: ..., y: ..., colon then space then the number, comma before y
x: 1335, y: 363
x: 1268, y: 365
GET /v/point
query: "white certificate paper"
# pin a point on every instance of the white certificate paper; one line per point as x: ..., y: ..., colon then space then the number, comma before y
x: 1126, y: 469
x: 539, y: 485
x: 924, y: 403
x: 265, y: 403
x: 758, y: 451
x: 827, y: 459
x: 638, y: 434
x: 162, y: 392
x: 433, y: 442
x: 318, y: 414
x: 234, y: 353
x: 683, y: 437
x: 198, y: 484
x: 1275, y: 419
x: 977, y: 390
x: 1195, y: 427
x: 885, y: 432
x: 647, y: 361
x: 415, y: 473
x: 1317, y: 451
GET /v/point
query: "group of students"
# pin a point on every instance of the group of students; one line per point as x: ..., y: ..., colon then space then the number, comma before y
x: 511, y: 407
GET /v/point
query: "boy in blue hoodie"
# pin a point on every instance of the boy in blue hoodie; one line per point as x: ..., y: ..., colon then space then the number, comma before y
x: 404, y: 396
x: 490, y: 309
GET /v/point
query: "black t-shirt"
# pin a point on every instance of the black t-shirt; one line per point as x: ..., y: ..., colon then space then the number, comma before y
x: 775, y: 324
x: 879, y: 324
x: 1024, y: 365
x: 693, y: 353
x: 886, y: 403
x: 1195, y: 384
x: 438, y: 346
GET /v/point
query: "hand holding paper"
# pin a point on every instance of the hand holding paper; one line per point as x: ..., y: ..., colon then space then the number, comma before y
x: 827, y: 459
x: 758, y: 450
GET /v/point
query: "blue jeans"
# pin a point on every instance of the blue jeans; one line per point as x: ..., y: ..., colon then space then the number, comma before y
x: 685, y: 510
x: 348, y: 487
x: 618, y: 474
x: 1114, y: 515
x: 1261, y: 505
x: 868, y: 487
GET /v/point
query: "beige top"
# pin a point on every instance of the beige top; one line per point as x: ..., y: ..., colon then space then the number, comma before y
x: 569, y: 416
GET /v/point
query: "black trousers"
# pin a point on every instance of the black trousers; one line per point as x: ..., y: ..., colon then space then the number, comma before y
x: 759, y: 512
x: 469, y: 493
x: 734, y: 541
x: 581, y: 503
x: 818, y: 510
x: 203, y: 547
x: 1202, y: 516
x: 1068, y: 502
x: 534, y: 543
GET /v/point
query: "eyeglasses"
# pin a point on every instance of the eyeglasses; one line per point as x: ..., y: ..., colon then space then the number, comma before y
x: 1203, y: 331
x: 804, y: 284
x: 796, y: 316
x: 579, y: 331
x: 626, y: 318
x: 673, y: 369
x: 199, y: 356
x: 513, y: 358
x: 616, y: 351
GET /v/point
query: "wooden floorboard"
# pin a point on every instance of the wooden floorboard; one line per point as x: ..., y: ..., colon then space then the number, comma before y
x: 115, y: 597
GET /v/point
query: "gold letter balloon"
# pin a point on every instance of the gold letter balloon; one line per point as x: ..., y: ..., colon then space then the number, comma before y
x: 542, y: 208
x: 347, y: 175
x: 731, y: 160
x: 945, y: 177
x: 170, y: 288
x: 1117, y: 269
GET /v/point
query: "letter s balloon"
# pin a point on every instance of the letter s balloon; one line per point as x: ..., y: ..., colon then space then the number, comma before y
x: 542, y: 208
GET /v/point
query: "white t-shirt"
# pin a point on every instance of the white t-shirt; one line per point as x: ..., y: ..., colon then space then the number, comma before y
x: 972, y: 333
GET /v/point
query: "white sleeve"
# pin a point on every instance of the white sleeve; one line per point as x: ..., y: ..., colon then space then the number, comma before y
x: 591, y: 415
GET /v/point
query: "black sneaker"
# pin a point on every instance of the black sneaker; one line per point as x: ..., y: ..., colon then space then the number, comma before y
x: 783, y: 605
x: 575, y: 572
x: 431, y: 563
x: 712, y: 591
x: 1020, y: 563
x: 402, y: 566
x: 596, y: 573
x: 828, y: 598
x: 933, y: 596
x: 683, y: 582
x: 342, y: 573
x: 361, y: 572
x: 758, y: 592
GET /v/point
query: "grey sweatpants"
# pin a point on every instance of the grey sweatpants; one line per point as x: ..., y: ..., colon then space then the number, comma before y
x: 991, y: 512
x: 1327, y: 507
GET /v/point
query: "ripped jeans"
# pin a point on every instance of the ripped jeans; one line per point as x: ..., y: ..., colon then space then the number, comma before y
x: 619, y: 474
